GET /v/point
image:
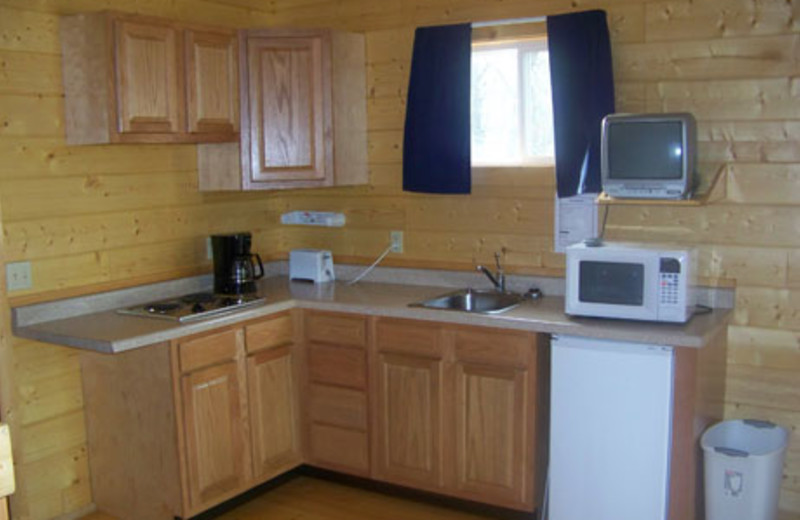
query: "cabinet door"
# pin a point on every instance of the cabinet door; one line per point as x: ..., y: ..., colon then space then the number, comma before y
x: 410, y: 420
x: 149, y: 86
x: 494, y: 412
x: 217, y: 449
x: 491, y: 430
x: 212, y: 82
x: 289, y: 109
x: 273, y: 412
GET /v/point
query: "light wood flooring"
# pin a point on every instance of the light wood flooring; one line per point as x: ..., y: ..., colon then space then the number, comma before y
x: 307, y: 498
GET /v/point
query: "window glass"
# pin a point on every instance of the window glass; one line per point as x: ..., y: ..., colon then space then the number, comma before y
x: 512, y: 114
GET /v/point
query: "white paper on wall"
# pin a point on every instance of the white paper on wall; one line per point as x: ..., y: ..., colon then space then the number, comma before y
x: 576, y: 220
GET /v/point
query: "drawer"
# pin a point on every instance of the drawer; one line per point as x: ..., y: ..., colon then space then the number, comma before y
x: 273, y: 332
x: 208, y: 350
x: 494, y: 347
x: 342, y: 329
x: 409, y: 336
x: 339, y: 448
x: 335, y: 365
x: 336, y: 406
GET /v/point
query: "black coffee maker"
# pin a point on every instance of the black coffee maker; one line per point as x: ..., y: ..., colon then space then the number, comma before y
x: 235, y: 270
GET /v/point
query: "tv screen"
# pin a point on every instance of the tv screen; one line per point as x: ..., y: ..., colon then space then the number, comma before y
x: 645, y: 150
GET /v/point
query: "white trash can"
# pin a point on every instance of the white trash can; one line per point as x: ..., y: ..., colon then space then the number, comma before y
x: 743, y: 469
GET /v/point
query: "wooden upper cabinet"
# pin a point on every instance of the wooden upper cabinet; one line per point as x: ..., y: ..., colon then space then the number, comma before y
x: 303, y: 108
x: 212, y: 82
x: 147, y: 64
x: 289, y: 108
x: 134, y: 79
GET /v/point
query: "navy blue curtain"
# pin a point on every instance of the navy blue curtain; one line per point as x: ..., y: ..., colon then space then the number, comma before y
x: 436, y: 142
x: 583, y: 93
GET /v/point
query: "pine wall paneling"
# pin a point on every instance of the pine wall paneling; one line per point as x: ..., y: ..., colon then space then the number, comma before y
x: 92, y: 217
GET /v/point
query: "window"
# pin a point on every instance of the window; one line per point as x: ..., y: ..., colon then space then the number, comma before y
x: 512, y: 112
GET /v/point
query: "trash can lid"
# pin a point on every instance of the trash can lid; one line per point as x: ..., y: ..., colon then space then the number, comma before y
x: 745, y: 437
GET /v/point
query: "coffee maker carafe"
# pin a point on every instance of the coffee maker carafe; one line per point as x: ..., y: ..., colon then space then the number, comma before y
x: 235, y: 269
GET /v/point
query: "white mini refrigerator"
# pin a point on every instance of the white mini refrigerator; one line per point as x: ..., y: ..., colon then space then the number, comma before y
x: 610, y: 430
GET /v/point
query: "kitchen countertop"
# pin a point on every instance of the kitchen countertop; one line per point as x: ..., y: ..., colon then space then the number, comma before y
x: 110, y: 332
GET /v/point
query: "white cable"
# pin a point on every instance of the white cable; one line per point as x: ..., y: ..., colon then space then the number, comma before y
x: 369, y: 269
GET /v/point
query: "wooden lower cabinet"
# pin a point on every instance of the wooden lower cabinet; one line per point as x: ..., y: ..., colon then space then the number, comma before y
x: 490, y: 428
x: 337, y: 425
x: 274, y: 417
x: 410, y: 420
x: 177, y: 428
x: 240, y: 411
x: 131, y: 430
x: 409, y: 408
x: 498, y: 391
x: 456, y: 411
x: 216, y: 444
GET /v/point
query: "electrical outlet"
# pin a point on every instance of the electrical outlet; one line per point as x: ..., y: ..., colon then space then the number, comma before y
x: 397, y: 241
x: 209, y: 251
x: 18, y: 276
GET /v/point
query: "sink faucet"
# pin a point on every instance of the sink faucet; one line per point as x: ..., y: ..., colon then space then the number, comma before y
x: 498, y: 280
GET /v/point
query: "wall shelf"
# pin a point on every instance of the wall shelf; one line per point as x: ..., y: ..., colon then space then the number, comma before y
x: 710, y: 190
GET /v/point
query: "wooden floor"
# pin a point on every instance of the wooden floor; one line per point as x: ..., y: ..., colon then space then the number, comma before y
x: 307, y: 498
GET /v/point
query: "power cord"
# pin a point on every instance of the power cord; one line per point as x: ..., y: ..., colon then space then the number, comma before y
x: 369, y: 269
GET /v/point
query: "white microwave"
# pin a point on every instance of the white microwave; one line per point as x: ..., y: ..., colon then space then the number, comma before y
x: 630, y: 281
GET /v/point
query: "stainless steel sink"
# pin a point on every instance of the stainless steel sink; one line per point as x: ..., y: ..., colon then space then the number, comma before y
x: 472, y: 300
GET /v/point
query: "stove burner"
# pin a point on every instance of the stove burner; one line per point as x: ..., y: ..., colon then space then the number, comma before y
x: 161, y: 308
x: 194, y: 306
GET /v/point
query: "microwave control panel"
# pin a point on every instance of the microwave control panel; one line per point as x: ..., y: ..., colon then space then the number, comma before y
x: 669, y: 273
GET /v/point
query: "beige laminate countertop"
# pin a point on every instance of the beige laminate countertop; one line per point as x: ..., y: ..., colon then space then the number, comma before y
x: 110, y: 332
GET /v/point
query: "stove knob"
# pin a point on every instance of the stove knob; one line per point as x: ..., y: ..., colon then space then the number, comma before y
x: 197, y: 308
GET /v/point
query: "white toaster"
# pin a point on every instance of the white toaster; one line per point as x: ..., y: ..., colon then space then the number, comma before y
x: 315, y: 265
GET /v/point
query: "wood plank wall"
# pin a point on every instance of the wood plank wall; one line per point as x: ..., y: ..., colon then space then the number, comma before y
x: 97, y: 217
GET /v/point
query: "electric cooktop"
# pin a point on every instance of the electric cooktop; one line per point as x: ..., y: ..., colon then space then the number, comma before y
x: 195, y: 306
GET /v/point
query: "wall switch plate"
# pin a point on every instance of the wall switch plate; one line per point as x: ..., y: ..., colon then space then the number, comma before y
x: 397, y: 241
x: 18, y: 276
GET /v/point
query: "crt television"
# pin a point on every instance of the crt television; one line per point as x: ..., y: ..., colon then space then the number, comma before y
x: 651, y: 156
